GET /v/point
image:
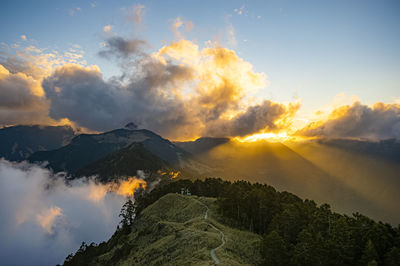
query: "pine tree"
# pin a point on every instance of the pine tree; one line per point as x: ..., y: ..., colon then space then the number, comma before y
x: 369, y: 255
x: 392, y: 258
x: 128, y: 212
x: 274, y: 250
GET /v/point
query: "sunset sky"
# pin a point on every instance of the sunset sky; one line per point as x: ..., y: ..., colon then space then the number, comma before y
x: 290, y: 62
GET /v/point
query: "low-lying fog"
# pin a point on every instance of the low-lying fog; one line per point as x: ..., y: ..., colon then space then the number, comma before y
x: 42, y: 219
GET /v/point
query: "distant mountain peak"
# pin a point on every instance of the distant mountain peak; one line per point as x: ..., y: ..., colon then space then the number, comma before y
x: 17, y: 143
x: 131, y: 126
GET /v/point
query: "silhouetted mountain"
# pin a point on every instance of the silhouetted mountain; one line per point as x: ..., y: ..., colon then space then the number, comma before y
x: 384, y: 149
x: 352, y: 175
x: 86, y: 149
x: 131, y: 126
x: 124, y: 162
x: 17, y: 143
x: 347, y: 179
x: 201, y: 145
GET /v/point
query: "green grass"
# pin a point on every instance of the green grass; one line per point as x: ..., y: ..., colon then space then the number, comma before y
x: 173, y: 231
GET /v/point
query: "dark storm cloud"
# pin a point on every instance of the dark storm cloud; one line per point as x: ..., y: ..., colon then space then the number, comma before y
x: 81, y: 95
x: 380, y: 121
x: 120, y: 47
x: 254, y: 119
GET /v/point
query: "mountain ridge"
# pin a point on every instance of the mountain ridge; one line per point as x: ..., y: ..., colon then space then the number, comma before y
x: 17, y: 143
x: 86, y: 149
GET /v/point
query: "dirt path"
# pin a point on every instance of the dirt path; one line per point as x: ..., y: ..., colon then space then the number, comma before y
x: 213, y: 256
x: 212, y: 252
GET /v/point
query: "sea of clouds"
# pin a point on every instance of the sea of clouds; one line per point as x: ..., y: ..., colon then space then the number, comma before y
x: 43, y: 218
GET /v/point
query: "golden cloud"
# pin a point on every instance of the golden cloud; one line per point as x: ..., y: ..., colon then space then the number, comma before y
x: 379, y: 121
x: 47, y: 218
x: 125, y: 188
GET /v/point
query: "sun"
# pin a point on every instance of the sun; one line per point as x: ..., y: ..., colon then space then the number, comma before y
x: 269, y: 136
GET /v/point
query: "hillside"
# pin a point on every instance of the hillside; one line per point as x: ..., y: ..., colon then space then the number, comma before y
x: 124, y: 162
x: 350, y: 175
x: 17, y: 143
x: 237, y: 224
x: 201, y: 145
x: 177, y: 230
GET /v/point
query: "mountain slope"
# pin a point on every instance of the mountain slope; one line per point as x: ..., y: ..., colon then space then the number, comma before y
x: 352, y: 176
x: 388, y: 150
x: 89, y: 148
x: 124, y: 162
x: 272, y: 228
x: 175, y: 231
x: 201, y: 145
x: 17, y: 143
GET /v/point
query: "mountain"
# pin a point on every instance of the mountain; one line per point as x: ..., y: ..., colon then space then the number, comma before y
x: 86, y: 149
x: 351, y: 175
x: 388, y: 150
x: 201, y: 145
x: 124, y: 162
x: 17, y: 143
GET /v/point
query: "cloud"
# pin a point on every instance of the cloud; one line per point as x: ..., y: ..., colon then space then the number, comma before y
x: 177, y: 24
x: 379, y: 121
x: 23, y: 37
x: 241, y: 11
x: 121, y: 47
x: 231, y: 35
x: 72, y: 12
x: 267, y: 116
x: 107, y: 28
x: 180, y: 91
x: 189, y: 25
x: 45, y: 219
x: 22, y: 98
x: 176, y: 91
x: 18, y: 91
x: 136, y: 14
x: 81, y: 95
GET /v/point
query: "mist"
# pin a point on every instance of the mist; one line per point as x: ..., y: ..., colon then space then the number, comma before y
x: 43, y: 219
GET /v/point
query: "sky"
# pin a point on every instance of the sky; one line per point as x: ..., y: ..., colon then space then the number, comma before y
x: 320, y: 55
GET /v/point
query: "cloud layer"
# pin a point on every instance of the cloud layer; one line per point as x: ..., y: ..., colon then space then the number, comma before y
x: 380, y: 121
x: 46, y: 219
x: 179, y: 91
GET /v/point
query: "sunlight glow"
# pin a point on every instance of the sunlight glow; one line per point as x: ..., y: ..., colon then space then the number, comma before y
x: 273, y: 137
x: 269, y: 136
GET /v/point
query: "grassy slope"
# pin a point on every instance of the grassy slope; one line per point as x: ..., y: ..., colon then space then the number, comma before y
x: 173, y: 231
